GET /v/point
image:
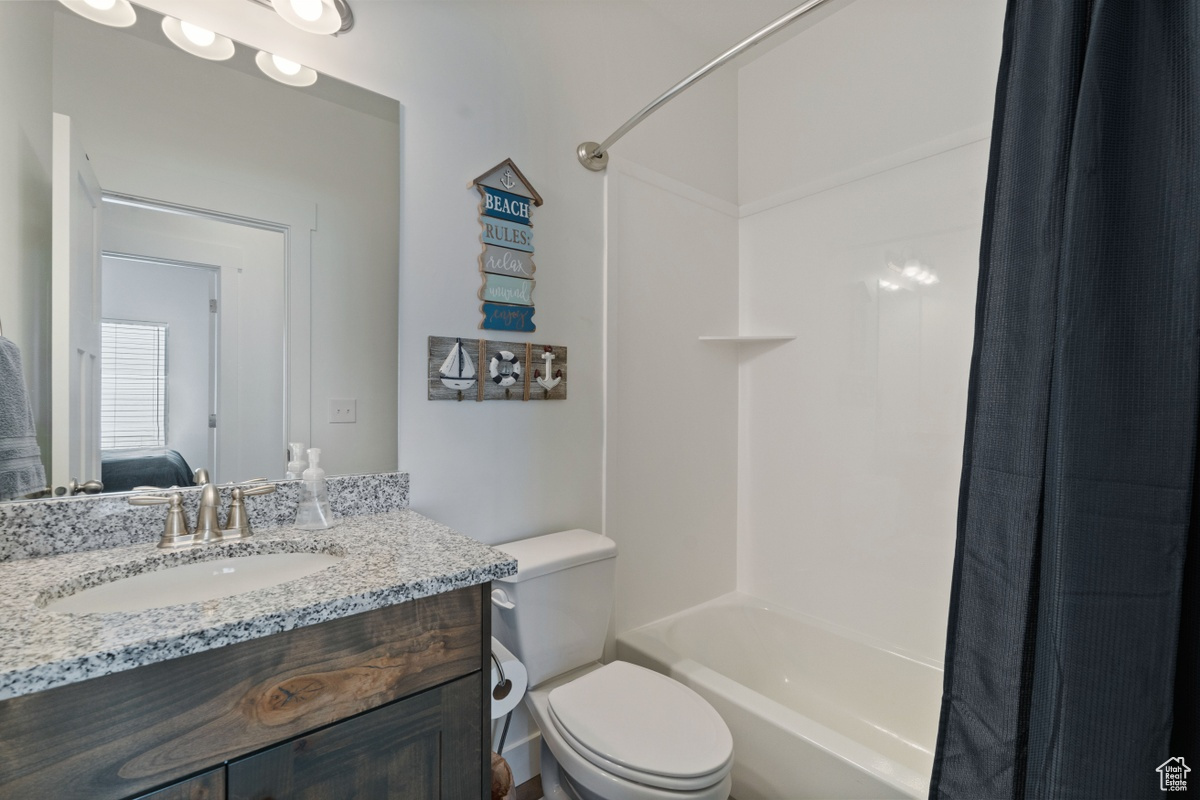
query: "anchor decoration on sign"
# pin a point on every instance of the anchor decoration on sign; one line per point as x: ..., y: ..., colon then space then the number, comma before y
x: 547, y: 382
x: 457, y: 371
x: 506, y: 263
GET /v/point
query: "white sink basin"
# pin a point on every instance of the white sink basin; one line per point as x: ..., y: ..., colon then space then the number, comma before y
x: 193, y: 583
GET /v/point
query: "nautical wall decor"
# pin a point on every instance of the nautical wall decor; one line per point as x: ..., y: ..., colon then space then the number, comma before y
x: 498, y: 317
x: 478, y: 369
x: 452, y: 371
x: 549, y: 367
x: 506, y: 264
x: 505, y: 375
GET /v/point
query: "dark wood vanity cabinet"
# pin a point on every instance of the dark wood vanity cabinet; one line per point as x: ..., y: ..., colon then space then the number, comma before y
x: 415, y: 748
x: 209, y: 786
x: 390, y: 703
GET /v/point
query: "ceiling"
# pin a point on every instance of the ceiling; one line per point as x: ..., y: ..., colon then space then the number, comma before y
x: 714, y: 25
x: 719, y: 24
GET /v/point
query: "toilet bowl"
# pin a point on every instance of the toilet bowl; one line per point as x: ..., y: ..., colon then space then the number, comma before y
x: 609, y: 731
x: 622, y: 732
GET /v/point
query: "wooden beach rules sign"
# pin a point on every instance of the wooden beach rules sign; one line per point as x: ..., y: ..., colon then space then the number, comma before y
x: 506, y: 202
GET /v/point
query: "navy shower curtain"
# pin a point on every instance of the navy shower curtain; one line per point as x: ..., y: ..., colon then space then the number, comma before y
x: 1071, y: 657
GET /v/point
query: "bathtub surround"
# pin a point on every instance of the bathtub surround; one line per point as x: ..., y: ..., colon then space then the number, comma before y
x: 672, y: 407
x: 39, y: 528
x: 851, y: 436
x: 1072, y: 658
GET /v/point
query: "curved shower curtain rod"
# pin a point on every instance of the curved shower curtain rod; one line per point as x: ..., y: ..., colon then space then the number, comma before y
x: 595, y: 156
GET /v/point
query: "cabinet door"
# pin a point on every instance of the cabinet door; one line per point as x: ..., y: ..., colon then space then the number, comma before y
x: 424, y: 747
x: 209, y: 786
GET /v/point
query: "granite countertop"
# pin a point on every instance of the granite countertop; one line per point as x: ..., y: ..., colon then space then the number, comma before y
x: 388, y: 558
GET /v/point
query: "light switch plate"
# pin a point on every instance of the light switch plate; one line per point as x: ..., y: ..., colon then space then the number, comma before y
x: 343, y: 409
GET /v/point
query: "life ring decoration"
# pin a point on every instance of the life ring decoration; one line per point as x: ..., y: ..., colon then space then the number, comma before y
x: 505, y: 369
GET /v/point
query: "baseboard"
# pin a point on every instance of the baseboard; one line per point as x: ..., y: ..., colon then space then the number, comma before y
x: 524, y: 758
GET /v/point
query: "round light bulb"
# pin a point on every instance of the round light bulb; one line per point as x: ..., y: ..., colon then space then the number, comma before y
x: 101, y: 5
x: 308, y: 10
x: 201, y: 37
x: 284, y: 65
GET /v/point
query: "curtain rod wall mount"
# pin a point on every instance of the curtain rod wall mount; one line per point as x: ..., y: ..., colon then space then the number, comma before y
x: 595, y: 156
x: 592, y: 157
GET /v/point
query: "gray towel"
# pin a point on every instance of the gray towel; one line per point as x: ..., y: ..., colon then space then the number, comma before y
x: 21, y: 470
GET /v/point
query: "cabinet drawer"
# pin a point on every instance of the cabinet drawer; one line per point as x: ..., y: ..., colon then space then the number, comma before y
x: 424, y: 748
x: 209, y: 786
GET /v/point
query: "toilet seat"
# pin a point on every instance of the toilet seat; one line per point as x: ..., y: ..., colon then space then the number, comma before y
x: 644, y: 727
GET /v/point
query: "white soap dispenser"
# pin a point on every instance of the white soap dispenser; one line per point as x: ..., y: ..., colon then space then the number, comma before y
x: 295, y: 467
x: 314, y: 513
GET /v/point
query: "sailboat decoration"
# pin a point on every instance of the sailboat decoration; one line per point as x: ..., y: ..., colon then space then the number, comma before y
x: 457, y: 370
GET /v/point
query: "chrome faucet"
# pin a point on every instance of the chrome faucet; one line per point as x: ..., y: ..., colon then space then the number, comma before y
x: 177, y: 534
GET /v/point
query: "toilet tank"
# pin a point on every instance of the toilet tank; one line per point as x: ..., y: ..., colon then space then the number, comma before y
x: 561, y: 597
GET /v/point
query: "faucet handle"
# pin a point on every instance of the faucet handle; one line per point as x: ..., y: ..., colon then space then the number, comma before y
x: 176, y: 533
x: 237, y: 524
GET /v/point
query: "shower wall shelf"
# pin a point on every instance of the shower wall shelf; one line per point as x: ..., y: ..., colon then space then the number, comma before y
x: 740, y: 338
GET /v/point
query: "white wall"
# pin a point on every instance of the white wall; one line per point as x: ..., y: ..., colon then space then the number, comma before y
x: 863, y: 137
x: 25, y: 37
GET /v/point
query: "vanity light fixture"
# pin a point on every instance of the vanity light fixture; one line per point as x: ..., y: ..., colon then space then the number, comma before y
x: 314, y: 16
x: 196, y: 40
x: 117, y: 13
x: 285, y: 70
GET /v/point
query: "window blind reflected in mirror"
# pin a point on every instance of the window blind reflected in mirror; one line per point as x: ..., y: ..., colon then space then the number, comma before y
x: 133, y: 384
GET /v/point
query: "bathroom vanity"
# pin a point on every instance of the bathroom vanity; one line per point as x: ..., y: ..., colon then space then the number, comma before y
x: 369, y: 678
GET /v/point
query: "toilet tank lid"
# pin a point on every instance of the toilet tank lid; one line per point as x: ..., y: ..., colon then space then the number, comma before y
x: 556, y: 551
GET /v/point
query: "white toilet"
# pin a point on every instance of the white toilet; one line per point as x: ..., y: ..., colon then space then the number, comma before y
x: 609, y: 732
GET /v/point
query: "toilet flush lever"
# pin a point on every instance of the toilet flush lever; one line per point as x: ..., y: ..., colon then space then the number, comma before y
x: 500, y: 599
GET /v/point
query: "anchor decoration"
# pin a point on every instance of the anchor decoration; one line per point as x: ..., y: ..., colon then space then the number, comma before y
x: 506, y: 264
x: 547, y: 382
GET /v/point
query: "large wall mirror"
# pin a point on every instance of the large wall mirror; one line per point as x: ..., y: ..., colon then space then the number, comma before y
x: 198, y: 264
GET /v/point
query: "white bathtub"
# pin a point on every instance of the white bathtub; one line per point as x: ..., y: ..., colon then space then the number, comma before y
x: 815, y: 712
